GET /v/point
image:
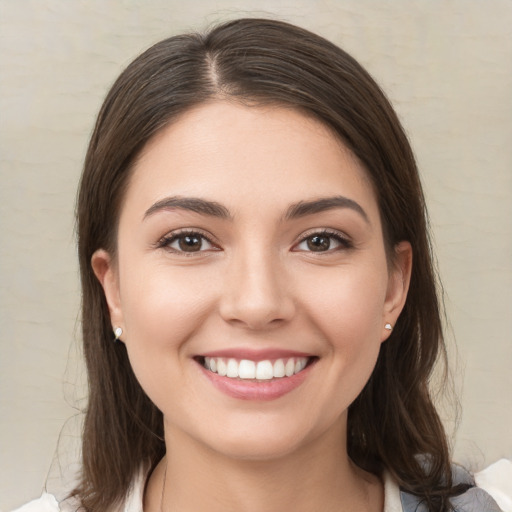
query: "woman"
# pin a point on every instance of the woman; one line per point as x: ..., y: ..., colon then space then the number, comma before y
x: 253, y: 231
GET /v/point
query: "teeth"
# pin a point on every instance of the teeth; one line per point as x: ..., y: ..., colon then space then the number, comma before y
x: 264, y: 370
x: 222, y: 368
x: 279, y: 370
x: 289, y: 369
x: 261, y: 370
x: 232, y: 370
x: 299, y: 365
x: 247, y: 369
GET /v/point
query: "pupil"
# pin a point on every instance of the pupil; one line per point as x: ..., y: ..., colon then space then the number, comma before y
x: 190, y: 243
x: 319, y: 243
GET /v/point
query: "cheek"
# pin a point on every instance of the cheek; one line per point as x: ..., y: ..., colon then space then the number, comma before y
x: 347, y: 312
x: 348, y: 303
x: 163, y: 303
x: 162, y: 310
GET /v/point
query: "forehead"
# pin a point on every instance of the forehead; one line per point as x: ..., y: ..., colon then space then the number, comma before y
x: 247, y: 155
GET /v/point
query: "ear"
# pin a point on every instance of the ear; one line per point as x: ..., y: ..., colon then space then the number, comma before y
x: 106, y: 272
x: 398, y: 285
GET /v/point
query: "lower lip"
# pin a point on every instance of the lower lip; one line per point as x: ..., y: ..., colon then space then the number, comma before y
x: 257, y: 390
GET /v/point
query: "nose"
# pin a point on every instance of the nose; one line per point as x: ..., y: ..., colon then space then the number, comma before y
x: 256, y: 292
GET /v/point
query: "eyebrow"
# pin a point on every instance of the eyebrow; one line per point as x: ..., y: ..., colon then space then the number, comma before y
x: 193, y: 204
x: 215, y: 209
x: 304, y: 208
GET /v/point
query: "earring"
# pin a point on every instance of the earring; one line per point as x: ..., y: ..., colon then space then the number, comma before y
x: 117, y: 333
x: 388, y: 327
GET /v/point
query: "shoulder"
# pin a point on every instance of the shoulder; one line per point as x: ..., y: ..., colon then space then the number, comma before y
x: 49, y: 503
x: 473, y: 499
x: 46, y: 503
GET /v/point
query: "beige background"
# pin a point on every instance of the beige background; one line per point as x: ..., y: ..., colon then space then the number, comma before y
x: 446, y: 65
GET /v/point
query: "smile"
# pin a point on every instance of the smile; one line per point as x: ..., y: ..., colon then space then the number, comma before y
x: 256, y: 375
x: 247, y: 369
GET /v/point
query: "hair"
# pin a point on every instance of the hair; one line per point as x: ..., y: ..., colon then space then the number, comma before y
x: 261, y: 62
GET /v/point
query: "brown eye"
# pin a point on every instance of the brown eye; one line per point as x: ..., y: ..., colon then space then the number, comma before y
x: 323, y: 241
x: 318, y: 243
x: 190, y: 243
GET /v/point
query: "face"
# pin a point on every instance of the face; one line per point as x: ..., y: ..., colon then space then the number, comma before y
x: 251, y: 279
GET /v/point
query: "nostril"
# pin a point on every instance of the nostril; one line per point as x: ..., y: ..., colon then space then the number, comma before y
x: 254, y: 314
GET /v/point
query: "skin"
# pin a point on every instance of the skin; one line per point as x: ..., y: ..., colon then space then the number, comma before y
x: 256, y: 284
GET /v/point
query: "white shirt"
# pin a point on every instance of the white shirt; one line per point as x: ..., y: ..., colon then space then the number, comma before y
x: 495, y: 480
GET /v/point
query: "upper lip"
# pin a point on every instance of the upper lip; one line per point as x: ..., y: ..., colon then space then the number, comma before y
x: 255, y: 354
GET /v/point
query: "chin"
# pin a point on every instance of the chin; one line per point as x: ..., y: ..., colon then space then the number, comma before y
x: 261, y: 440
x: 261, y: 449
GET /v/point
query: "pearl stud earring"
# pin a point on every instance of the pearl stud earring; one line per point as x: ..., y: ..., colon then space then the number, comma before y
x: 388, y: 327
x: 117, y: 332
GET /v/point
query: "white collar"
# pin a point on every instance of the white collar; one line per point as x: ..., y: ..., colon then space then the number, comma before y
x: 392, y: 501
x: 135, y: 497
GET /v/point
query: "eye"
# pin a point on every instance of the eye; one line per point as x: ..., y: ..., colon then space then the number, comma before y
x: 323, y: 241
x: 187, y: 242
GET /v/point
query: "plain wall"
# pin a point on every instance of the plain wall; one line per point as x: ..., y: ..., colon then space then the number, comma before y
x: 445, y: 64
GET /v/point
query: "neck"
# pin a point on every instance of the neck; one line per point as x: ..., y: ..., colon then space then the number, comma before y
x: 319, y: 476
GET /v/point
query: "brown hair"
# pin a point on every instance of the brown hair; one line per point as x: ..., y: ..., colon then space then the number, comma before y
x: 263, y: 62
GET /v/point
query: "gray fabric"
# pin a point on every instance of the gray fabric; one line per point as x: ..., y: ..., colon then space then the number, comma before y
x: 472, y: 500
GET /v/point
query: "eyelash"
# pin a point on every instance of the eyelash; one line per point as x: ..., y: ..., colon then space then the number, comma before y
x: 166, y: 241
x: 344, y: 242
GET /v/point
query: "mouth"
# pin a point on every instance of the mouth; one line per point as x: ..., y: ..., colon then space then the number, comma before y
x: 256, y: 375
x: 256, y: 370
